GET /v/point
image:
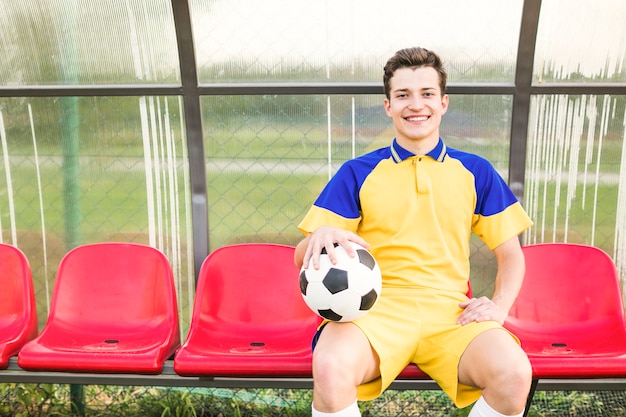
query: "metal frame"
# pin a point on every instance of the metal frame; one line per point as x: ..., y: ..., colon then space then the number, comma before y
x: 193, y: 125
x: 522, y: 95
x: 522, y: 90
x: 298, y: 88
x: 169, y: 378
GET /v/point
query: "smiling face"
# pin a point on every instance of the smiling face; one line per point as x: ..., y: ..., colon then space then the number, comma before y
x: 416, y: 105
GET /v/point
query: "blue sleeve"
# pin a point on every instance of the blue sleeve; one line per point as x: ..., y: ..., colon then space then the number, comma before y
x: 341, y: 194
x: 493, y: 194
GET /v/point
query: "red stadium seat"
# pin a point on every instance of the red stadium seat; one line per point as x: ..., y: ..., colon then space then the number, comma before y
x: 249, y: 318
x: 569, y: 314
x: 18, y: 311
x: 113, y: 309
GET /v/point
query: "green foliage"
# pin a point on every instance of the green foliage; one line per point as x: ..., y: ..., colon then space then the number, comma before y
x: 46, y: 400
x: 578, y: 403
x: 25, y: 400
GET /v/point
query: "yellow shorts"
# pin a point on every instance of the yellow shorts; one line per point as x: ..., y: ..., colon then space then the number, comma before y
x: 416, y: 326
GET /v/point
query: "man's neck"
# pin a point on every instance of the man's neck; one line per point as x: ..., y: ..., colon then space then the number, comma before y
x: 418, y: 146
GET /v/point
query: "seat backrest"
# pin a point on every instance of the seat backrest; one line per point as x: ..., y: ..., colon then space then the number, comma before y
x: 250, y: 284
x: 17, y: 298
x: 113, y: 283
x: 568, y: 283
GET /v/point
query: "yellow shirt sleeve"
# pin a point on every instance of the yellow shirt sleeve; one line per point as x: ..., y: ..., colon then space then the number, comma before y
x: 498, y: 228
x: 317, y: 217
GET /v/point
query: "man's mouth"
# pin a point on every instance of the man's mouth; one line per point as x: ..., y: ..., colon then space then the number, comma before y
x: 417, y: 118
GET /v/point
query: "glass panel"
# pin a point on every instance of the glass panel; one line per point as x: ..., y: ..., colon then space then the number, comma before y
x: 70, y: 42
x: 581, y: 41
x: 284, y: 40
x: 269, y: 157
x: 576, y: 172
x: 83, y: 170
x: 480, y: 124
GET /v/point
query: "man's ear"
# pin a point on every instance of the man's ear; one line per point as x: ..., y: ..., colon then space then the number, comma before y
x: 445, y: 100
x: 387, y: 106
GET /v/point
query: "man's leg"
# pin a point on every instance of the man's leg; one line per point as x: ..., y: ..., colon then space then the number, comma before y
x: 496, y: 364
x: 351, y: 411
x: 482, y: 409
x: 342, y: 360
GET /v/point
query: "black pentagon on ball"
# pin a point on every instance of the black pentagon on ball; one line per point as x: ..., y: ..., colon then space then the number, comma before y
x: 330, y: 315
x: 368, y: 300
x: 366, y: 258
x: 304, y: 282
x: 324, y: 252
x: 336, y: 280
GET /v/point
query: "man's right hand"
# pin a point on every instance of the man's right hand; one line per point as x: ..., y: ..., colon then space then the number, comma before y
x: 325, y: 237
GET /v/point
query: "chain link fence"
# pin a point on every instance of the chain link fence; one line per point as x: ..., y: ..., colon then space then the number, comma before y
x: 83, y: 169
x: 95, y: 169
x: 118, y: 173
x: 18, y: 400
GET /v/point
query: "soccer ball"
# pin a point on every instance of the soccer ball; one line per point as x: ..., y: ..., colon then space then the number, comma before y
x: 344, y: 291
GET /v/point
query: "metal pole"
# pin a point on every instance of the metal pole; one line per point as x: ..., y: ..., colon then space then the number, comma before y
x: 522, y: 96
x: 71, y: 166
x: 71, y: 171
x: 193, y: 122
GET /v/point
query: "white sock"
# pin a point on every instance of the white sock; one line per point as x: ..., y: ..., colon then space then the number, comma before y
x: 351, y: 411
x: 482, y: 409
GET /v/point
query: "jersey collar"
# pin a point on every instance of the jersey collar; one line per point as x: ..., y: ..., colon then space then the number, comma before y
x: 399, y: 154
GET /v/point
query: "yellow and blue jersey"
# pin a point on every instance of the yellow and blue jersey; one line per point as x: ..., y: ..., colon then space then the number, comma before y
x: 417, y: 212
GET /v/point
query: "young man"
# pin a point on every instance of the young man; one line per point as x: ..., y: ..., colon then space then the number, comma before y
x: 414, y: 204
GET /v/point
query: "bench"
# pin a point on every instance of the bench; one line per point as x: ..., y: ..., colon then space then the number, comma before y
x: 568, y: 316
x: 169, y: 378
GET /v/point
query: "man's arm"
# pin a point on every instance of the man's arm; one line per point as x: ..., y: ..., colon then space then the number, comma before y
x: 509, y: 278
x: 298, y: 256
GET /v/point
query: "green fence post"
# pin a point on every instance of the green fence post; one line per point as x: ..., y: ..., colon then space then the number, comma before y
x: 71, y: 171
x: 71, y: 163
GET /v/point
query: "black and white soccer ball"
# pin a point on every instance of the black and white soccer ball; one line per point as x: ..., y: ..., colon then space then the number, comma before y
x: 344, y: 291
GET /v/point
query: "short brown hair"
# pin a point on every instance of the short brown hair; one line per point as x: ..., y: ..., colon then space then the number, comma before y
x: 414, y: 58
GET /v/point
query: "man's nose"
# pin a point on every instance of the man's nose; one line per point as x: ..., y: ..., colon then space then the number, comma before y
x: 416, y: 103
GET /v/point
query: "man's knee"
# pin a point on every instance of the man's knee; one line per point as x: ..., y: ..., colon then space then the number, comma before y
x: 516, y: 377
x: 495, y: 363
x: 508, y: 386
x: 343, y: 353
x: 339, y: 365
x: 327, y: 362
x: 337, y: 371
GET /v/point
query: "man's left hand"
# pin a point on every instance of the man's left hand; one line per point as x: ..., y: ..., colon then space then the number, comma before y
x: 480, y: 309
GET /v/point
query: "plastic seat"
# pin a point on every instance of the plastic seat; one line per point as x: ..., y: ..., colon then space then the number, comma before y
x: 18, y: 310
x: 569, y: 314
x: 249, y: 318
x: 113, y: 309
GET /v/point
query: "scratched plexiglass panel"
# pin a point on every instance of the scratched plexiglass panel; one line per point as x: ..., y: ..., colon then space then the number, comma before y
x: 70, y: 42
x: 350, y: 40
x: 581, y: 41
x: 576, y: 171
x: 79, y: 170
